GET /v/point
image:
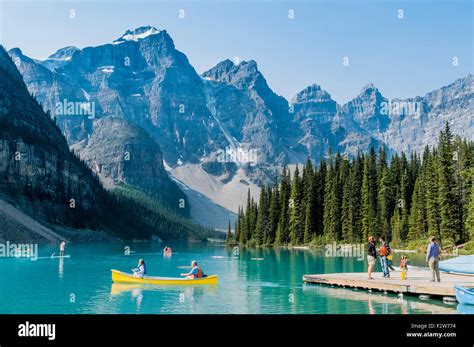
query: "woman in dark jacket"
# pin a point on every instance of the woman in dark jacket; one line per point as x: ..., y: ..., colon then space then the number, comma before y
x: 371, y: 256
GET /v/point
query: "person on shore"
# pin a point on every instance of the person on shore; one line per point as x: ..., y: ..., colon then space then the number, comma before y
x: 196, y: 271
x: 404, y: 267
x: 371, y: 256
x: 383, y: 258
x: 432, y: 258
x: 62, y: 247
x: 140, y: 271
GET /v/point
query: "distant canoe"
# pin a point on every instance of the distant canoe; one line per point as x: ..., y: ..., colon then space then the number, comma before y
x: 464, y: 295
x: 122, y: 277
x: 463, y: 265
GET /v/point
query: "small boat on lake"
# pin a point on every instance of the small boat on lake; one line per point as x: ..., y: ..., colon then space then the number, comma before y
x: 463, y: 265
x: 464, y: 295
x: 122, y: 277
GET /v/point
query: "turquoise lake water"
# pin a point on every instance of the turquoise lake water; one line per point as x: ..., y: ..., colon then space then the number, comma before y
x: 250, y: 281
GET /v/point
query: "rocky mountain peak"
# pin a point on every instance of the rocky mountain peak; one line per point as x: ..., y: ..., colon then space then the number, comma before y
x: 369, y: 90
x: 15, y: 51
x: 64, y: 53
x: 137, y: 34
x: 313, y: 92
x: 220, y: 71
x: 228, y: 72
x: 8, y: 65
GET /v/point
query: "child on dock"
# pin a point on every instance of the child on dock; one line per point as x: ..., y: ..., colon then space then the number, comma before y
x: 404, y: 267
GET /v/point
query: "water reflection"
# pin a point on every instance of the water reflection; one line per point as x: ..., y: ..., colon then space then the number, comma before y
x: 465, y: 309
x: 191, y: 296
x: 61, y: 268
x: 386, y: 303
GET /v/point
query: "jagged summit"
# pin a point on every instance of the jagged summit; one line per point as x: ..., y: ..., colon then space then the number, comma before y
x: 229, y: 72
x: 64, y: 53
x: 369, y: 89
x: 313, y: 92
x: 15, y: 51
x: 137, y: 34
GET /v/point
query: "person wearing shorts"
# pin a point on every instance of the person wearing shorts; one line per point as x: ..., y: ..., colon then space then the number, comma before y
x: 371, y: 256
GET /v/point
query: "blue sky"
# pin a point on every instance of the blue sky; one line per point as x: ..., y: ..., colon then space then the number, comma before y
x: 402, y: 57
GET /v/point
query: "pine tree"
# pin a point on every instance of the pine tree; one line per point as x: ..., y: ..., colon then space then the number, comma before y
x: 385, y: 202
x: 368, y: 201
x: 463, y: 162
x: 356, y: 192
x: 449, y: 212
x: 236, y: 229
x: 331, y: 208
x: 319, y: 185
x: 261, y: 219
x: 404, y: 205
x: 470, y: 213
x: 282, y: 236
x: 295, y: 209
x: 417, y: 220
x: 229, y: 238
x: 396, y: 222
x: 274, y: 215
x: 347, y: 212
x: 309, y: 200
x: 433, y: 217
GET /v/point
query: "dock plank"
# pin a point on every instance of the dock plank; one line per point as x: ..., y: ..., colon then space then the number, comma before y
x: 417, y: 282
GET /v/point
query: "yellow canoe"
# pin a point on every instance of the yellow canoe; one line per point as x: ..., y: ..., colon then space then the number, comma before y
x: 122, y: 277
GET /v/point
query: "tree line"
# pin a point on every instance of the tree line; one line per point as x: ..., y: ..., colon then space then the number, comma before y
x: 405, y: 199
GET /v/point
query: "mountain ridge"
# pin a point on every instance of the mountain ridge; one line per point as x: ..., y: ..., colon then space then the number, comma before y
x: 230, y: 109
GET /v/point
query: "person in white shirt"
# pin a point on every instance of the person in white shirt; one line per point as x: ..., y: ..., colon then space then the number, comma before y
x: 140, y: 271
x: 62, y: 247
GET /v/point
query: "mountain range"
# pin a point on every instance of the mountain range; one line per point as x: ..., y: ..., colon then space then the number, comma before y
x: 221, y: 132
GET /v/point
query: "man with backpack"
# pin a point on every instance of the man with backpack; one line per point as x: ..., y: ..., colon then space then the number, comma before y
x: 389, y: 254
x: 383, y: 252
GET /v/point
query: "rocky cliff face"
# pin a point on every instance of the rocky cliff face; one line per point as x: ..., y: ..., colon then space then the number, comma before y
x: 34, y: 156
x: 411, y: 124
x: 131, y: 157
x: 44, y: 179
x: 326, y: 125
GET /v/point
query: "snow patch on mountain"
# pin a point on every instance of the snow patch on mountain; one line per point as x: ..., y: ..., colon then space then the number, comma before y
x: 137, y: 34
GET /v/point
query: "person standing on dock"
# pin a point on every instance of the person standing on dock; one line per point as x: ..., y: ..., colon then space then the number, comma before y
x: 371, y: 256
x: 383, y: 252
x: 389, y: 255
x: 432, y: 258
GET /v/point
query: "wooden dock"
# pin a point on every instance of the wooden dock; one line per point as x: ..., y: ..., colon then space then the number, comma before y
x: 417, y: 283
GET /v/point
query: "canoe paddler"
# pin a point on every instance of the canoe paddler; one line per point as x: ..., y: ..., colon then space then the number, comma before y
x: 196, y: 271
x: 140, y: 271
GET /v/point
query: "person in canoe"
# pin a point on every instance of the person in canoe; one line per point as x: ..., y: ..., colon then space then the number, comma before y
x: 140, y: 271
x: 196, y: 271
